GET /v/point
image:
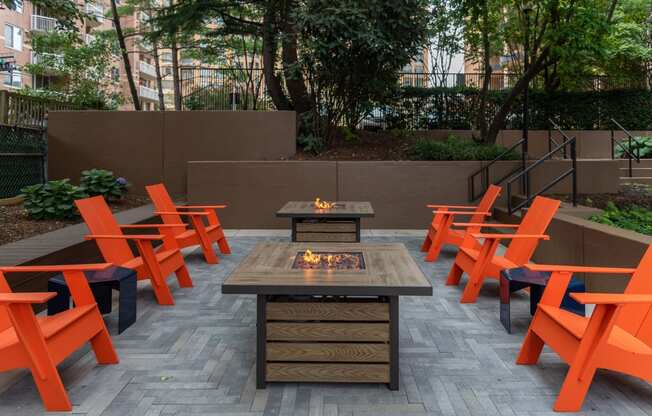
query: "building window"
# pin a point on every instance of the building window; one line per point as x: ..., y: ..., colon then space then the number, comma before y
x: 115, y: 74
x: 13, y: 37
x: 13, y: 79
x: 16, y: 5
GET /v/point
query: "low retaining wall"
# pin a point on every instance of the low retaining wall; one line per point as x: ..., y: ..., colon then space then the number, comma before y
x: 579, y: 241
x: 151, y: 147
x: 398, y: 191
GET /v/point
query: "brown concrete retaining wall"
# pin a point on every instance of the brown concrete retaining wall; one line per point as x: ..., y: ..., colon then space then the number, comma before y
x: 150, y: 147
x: 578, y: 241
x: 398, y: 191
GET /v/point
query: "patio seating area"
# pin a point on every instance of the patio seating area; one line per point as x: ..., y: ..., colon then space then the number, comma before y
x: 198, y: 357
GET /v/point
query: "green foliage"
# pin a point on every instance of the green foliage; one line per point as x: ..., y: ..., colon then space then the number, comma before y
x: 53, y: 200
x: 103, y: 182
x: 641, y: 146
x: 311, y: 143
x: 349, y: 134
x: 455, y: 148
x: 633, y: 218
x: 82, y: 69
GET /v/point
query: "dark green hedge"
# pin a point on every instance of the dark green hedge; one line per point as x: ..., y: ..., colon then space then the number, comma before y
x: 456, y: 108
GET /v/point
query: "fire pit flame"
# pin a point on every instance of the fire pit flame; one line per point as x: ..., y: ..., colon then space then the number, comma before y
x: 329, y: 261
x: 323, y: 204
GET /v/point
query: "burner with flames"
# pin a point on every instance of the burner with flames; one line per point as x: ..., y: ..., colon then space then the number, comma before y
x: 328, y: 261
x: 319, y: 204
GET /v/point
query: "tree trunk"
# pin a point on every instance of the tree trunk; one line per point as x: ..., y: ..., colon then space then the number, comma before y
x: 125, y: 55
x: 175, y: 73
x: 486, y: 67
x: 498, y: 121
x: 159, y: 79
x: 270, y: 41
x: 294, y: 80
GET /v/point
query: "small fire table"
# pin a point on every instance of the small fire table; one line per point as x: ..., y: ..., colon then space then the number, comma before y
x: 328, y: 312
x: 320, y: 221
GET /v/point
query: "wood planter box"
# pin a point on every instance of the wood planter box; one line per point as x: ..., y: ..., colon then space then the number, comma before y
x: 327, y: 230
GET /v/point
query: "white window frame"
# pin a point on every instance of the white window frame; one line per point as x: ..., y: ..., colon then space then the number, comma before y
x: 14, y: 30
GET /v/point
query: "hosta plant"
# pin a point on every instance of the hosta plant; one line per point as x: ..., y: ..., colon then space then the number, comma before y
x: 103, y: 182
x: 53, y: 200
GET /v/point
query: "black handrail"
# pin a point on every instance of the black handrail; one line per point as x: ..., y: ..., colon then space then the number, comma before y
x: 627, y: 150
x: 484, y: 170
x: 572, y: 171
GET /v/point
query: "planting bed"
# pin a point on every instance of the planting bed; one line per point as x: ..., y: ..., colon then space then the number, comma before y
x: 16, y: 225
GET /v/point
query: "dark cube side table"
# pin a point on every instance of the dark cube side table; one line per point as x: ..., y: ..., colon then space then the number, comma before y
x: 101, y: 283
x: 519, y: 278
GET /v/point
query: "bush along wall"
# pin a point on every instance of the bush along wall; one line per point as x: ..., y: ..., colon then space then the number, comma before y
x: 456, y: 108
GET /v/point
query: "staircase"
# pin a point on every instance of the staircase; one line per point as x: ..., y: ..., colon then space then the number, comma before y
x: 641, y: 172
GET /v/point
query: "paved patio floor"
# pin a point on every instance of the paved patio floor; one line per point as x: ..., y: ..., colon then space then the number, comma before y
x: 197, y: 358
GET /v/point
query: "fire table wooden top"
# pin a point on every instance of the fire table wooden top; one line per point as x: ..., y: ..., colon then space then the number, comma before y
x: 389, y: 270
x: 342, y: 209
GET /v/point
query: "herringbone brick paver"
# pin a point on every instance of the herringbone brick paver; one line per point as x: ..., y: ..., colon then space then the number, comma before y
x: 197, y: 358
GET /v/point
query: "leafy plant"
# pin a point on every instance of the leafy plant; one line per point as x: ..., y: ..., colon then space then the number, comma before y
x: 349, y: 134
x: 640, y: 146
x: 52, y: 200
x: 311, y: 143
x: 455, y: 148
x: 103, y: 182
x: 633, y: 218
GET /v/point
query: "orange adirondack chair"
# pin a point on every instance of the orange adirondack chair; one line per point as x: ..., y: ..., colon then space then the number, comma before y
x: 617, y: 336
x: 41, y: 343
x: 440, y: 231
x: 152, y: 265
x: 482, y: 263
x: 201, y: 234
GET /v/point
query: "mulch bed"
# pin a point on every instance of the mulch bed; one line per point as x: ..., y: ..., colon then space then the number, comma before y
x: 640, y: 195
x: 16, y: 225
x: 380, y: 145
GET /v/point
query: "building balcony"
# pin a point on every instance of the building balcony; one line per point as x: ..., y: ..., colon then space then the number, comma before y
x: 96, y: 12
x: 88, y: 38
x: 43, y: 23
x: 49, y: 59
x: 148, y: 93
x: 147, y: 69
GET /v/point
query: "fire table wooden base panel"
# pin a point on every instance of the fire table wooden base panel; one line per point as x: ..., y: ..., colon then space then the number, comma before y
x: 328, y: 325
x: 327, y: 339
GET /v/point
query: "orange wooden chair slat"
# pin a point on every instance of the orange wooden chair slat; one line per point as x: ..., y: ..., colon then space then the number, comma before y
x: 202, y: 234
x: 480, y: 263
x: 440, y: 231
x: 153, y: 265
x: 617, y: 336
x: 40, y: 343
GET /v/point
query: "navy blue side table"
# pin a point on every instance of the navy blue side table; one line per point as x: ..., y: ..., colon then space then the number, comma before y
x: 519, y: 278
x: 102, y: 283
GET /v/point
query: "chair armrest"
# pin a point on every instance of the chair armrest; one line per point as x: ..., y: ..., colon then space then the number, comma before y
x: 578, y: 269
x: 202, y: 213
x: 610, y: 298
x: 452, y: 206
x: 150, y: 237
x: 510, y: 236
x: 461, y: 212
x: 37, y: 297
x: 152, y: 226
x: 485, y: 224
x: 55, y: 268
x: 200, y: 206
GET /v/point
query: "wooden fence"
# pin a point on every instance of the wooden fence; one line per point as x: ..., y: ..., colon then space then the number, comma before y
x: 24, y: 111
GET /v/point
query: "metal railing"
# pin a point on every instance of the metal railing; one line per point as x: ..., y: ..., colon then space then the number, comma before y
x: 95, y: 10
x: 485, y: 175
x: 43, y: 23
x: 628, y: 151
x: 524, y: 174
x: 148, y: 93
x: 147, y: 69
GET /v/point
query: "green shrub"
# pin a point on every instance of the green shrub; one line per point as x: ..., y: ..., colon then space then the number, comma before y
x: 457, y: 149
x: 311, y: 143
x: 633, y: 218
x: 52, y: 200
x: 639, y: 144
x: 103, y: 182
